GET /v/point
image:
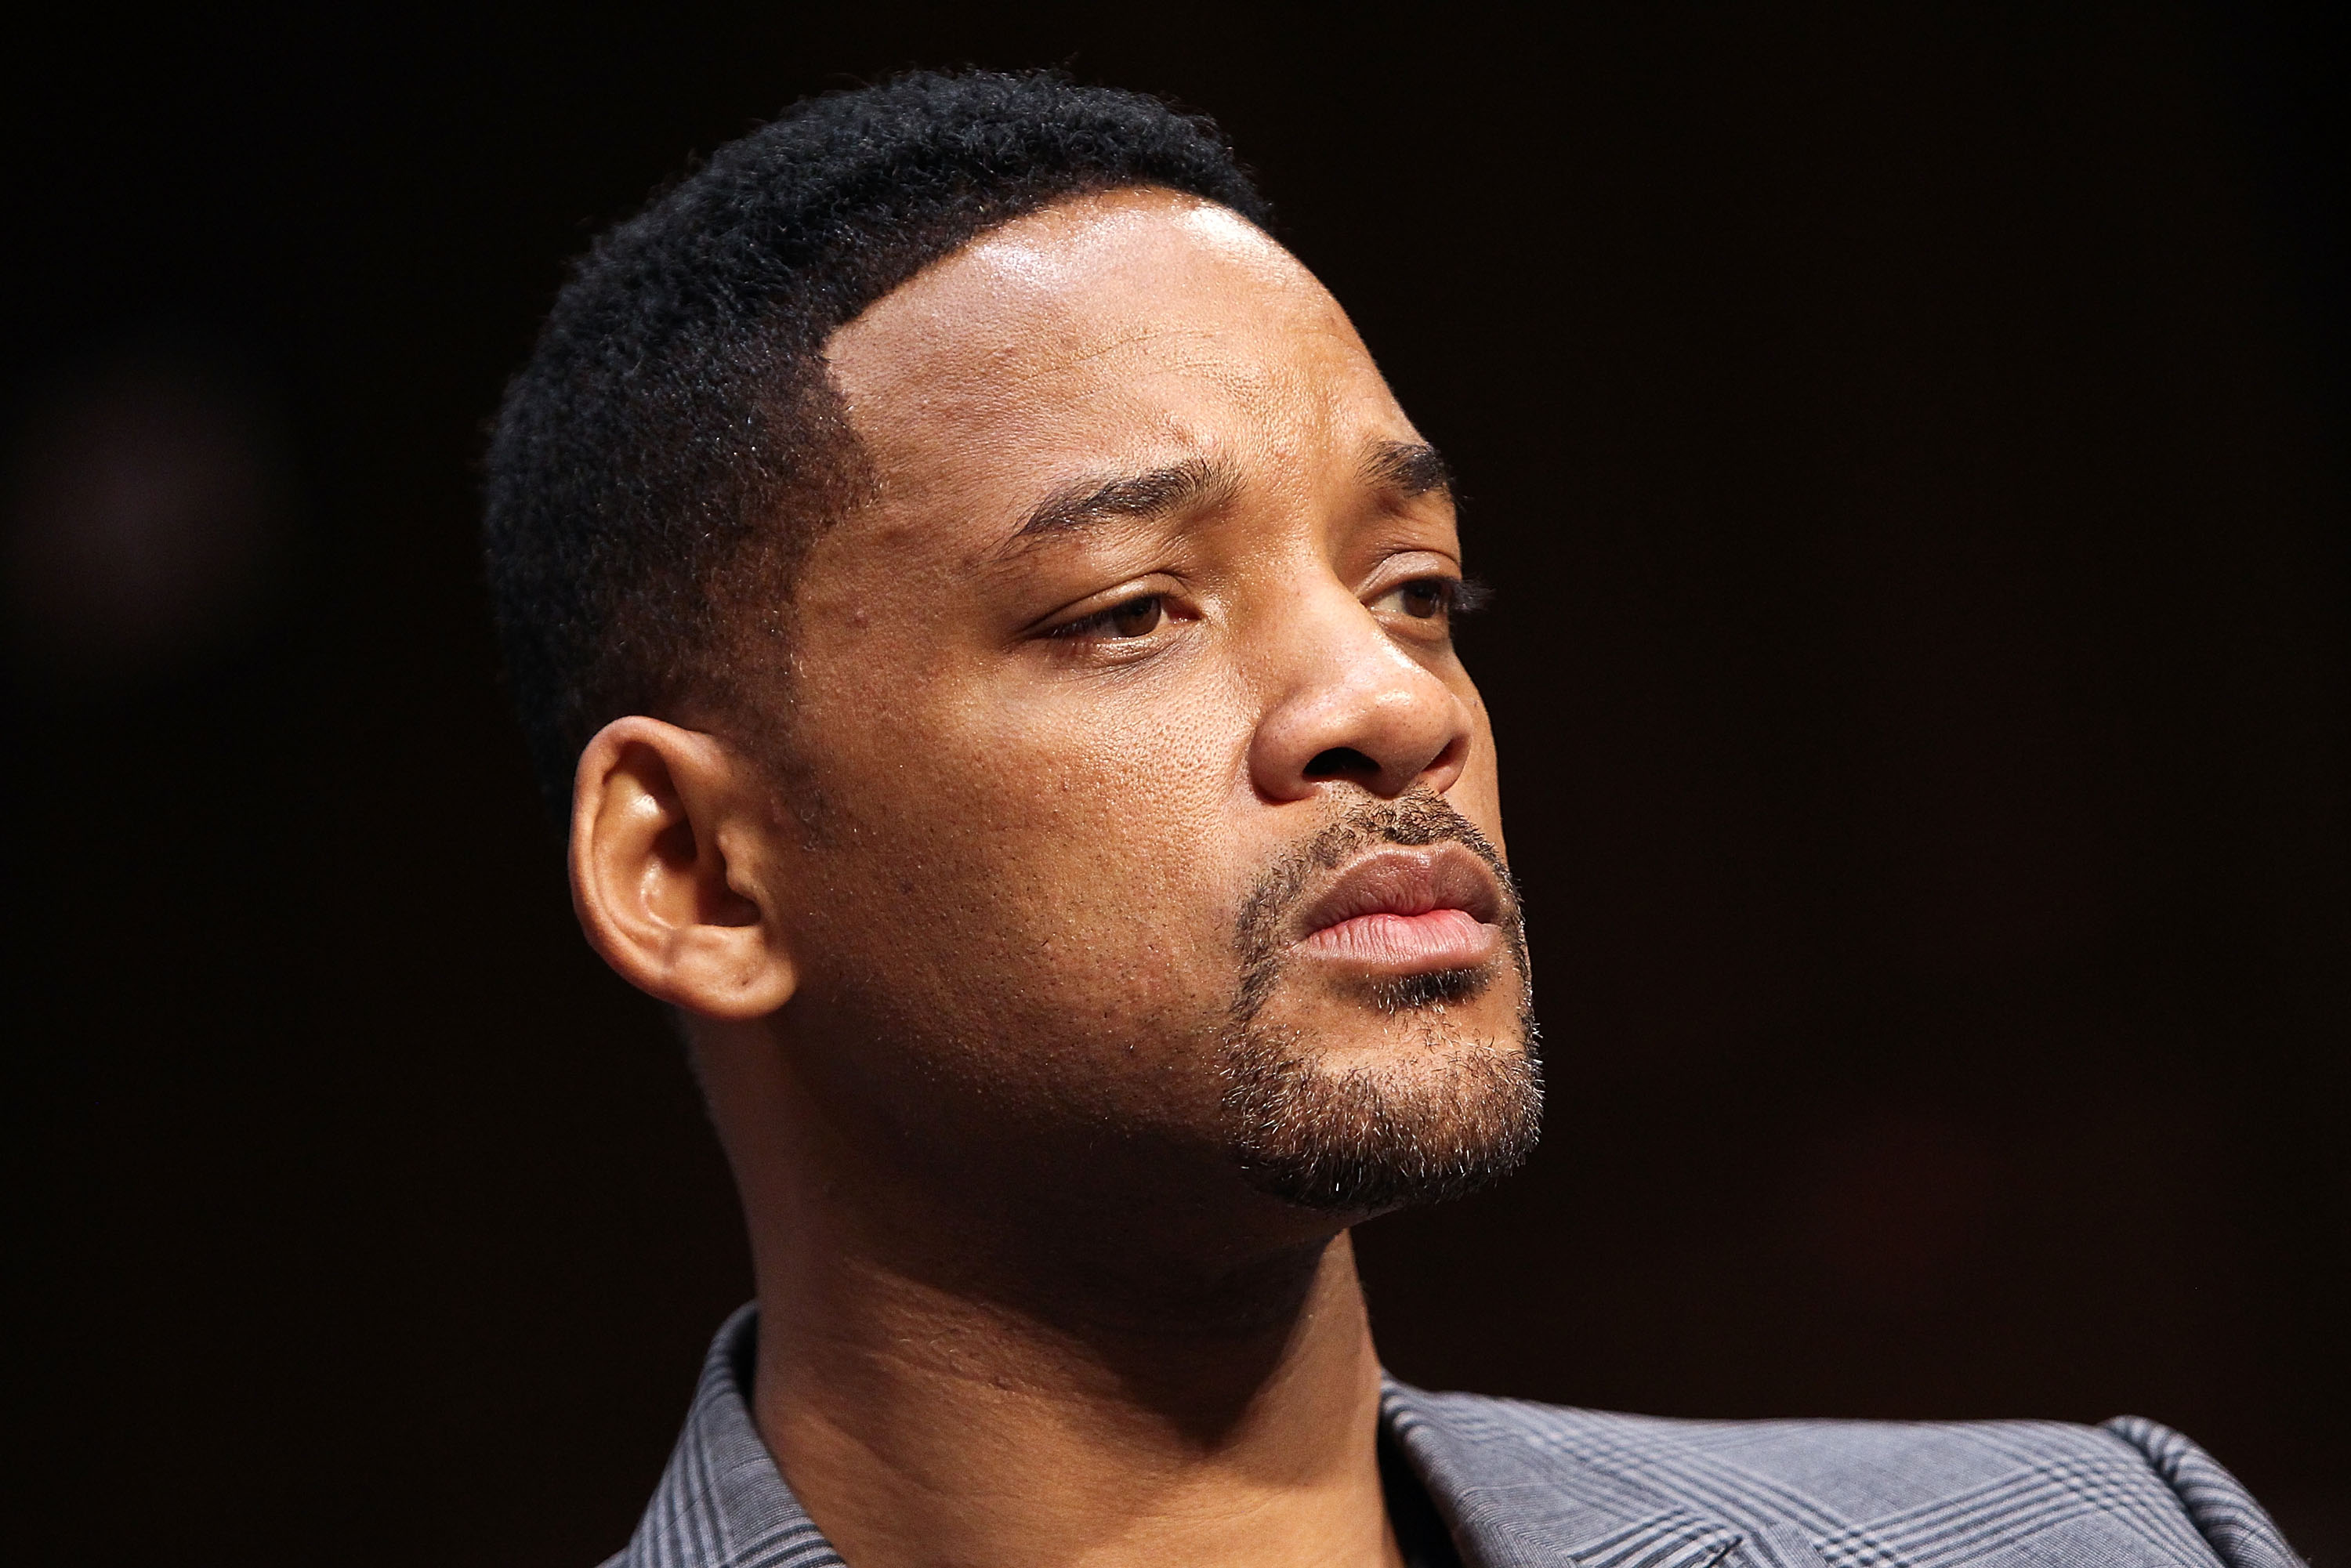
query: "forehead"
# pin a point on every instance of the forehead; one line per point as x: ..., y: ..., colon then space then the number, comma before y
x: 1131, y: 327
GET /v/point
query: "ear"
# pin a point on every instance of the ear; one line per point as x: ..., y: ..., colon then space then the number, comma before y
x: 668, y: 827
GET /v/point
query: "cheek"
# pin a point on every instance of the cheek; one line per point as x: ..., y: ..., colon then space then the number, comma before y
x: 1476, y: 795
x: 1058, y: 865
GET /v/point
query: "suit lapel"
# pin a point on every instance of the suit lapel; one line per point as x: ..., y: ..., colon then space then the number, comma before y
x: 1512, y: 1504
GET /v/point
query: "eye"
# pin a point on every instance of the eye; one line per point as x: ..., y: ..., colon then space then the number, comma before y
x: 1422, y: 599
x: 1425, y: 599
x: 1136, y: 617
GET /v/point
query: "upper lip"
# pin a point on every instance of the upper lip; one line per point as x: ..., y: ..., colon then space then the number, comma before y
x: 1394, y: 879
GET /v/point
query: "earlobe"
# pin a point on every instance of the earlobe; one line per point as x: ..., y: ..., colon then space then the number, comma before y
x: 667, y: 831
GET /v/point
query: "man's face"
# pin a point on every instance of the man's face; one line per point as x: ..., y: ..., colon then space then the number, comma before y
x: 1142, y: 813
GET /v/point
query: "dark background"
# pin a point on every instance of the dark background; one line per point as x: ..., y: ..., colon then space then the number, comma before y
x: 1909, y: 442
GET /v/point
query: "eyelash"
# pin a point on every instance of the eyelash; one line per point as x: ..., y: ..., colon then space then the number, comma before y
x: 1462, y: 596
x: 1101, y: 620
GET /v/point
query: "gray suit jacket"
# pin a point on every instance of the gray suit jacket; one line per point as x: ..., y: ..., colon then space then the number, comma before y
x: 1533, y: 1486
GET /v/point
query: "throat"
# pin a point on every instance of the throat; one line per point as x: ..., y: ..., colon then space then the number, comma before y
x: 924, y: 1425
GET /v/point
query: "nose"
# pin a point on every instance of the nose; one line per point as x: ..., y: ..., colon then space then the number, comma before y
x: 1349, y: 705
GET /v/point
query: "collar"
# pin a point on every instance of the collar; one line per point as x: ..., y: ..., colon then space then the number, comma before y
x: 722, y: 1503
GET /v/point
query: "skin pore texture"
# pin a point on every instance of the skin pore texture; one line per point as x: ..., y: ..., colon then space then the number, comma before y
x: 1109, y: 915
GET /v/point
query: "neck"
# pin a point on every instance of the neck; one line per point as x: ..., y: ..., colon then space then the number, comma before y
x: 937, y: 1391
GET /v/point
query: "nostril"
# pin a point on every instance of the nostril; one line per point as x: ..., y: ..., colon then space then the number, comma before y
x: 1342, y: 762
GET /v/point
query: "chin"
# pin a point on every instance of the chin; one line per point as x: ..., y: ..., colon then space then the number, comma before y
x: 1418, y: 1088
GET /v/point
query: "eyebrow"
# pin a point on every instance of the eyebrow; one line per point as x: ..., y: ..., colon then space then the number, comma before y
x: 1147, y: 494
x: 1408, y: 468
x: 1403, y: 468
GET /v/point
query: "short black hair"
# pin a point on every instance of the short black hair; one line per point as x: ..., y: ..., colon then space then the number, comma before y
x: 673, y: 445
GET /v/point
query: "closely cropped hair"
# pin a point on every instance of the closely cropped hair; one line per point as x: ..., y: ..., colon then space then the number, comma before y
x: 674, y: 446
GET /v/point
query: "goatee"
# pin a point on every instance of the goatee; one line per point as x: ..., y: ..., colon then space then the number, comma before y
x: 1366, y: 1139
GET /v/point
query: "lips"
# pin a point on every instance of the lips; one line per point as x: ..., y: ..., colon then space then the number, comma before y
x: 1406, y: 910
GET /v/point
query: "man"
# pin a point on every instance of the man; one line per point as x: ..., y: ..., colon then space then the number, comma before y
x: 990, y: 622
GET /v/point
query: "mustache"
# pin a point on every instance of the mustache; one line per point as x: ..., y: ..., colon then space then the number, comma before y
x: 1417, y: 816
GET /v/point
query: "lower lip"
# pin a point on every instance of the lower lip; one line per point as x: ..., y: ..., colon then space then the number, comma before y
x: 1441, y: 939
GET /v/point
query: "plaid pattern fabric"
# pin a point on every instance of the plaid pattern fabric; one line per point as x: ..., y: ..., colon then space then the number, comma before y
x: 1532, y: 1486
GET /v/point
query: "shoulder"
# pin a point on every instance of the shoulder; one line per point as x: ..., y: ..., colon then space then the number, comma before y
x: 1794, y: 1494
